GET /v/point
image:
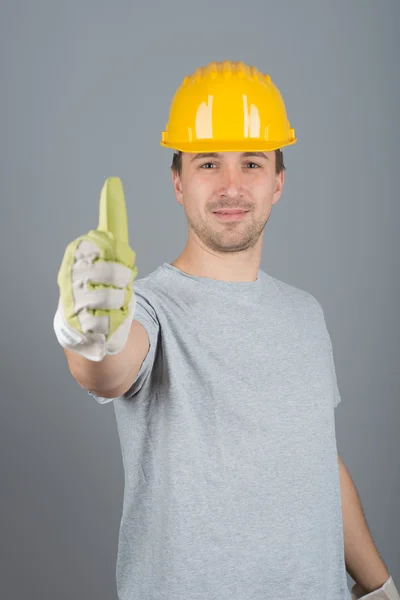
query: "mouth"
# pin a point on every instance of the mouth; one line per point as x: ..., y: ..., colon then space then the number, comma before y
x: 230, y: 215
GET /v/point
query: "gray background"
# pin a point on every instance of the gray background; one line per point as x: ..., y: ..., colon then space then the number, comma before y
x: 85, y: 94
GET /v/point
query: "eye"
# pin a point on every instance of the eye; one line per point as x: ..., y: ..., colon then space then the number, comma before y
x: 207, y: 164
x: 254, y: 164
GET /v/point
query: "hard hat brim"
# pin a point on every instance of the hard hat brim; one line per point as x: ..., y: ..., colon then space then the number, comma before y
x: 228, y: 146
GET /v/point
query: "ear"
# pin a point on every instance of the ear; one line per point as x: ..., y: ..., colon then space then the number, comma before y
x: 279, y: 182
x: 177, y: 183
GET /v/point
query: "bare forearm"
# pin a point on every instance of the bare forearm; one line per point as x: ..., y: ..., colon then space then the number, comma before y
x: 100, y: 377
x: 363, y: 562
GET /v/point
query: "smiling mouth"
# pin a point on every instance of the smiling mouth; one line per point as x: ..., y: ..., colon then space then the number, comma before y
x: 232, y: 215
x: 230, y: 210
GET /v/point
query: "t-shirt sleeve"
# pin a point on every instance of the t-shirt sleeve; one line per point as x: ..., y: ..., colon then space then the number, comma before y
x: 331, y: 365
x: 336, y: 393
x: 146, y: 316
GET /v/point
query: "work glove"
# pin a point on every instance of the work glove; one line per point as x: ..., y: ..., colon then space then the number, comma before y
x: 387, y: 592
x: 97, y: 303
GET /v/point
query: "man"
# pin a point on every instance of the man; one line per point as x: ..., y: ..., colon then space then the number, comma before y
x: 222, y: 376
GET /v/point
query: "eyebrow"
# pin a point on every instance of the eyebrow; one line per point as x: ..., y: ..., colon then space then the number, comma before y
x: 217, y: 155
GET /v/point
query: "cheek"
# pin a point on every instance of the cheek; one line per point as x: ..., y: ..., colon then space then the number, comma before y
x: 259, y: 183
x: 201, y: 184
x: 197, y: 193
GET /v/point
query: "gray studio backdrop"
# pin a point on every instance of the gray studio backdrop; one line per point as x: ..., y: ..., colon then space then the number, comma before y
x: 85, y: 93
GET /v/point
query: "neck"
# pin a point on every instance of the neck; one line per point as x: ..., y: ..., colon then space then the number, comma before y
x: 203, y: 262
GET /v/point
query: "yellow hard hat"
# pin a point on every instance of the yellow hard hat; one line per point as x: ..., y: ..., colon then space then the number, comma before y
x: 227, y: 107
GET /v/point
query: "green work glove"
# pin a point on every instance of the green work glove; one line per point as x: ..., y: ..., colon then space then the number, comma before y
x: 96, y: 304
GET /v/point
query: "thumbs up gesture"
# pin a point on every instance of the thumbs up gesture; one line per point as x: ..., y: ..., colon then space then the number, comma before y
x: 96, y: 304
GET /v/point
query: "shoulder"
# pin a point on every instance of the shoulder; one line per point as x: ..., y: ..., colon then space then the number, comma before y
x: 150, y: 286
x: 294, y: 295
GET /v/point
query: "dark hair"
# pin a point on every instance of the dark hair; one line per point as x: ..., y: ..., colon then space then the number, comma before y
x: 177, y: 162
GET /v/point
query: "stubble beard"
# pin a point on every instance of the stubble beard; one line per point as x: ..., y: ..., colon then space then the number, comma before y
x: 234, y: 237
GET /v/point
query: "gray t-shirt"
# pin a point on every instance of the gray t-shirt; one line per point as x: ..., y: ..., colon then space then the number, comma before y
x: 232, y: 486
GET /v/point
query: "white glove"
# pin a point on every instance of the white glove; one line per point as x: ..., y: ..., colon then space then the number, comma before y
x: 97, y: 304
x: 387, y: 592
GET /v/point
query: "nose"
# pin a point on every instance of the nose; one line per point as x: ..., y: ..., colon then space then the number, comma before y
x: 231, y: 182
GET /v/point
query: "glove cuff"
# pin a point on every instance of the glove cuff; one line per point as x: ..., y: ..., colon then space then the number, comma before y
x: 387, y: 592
